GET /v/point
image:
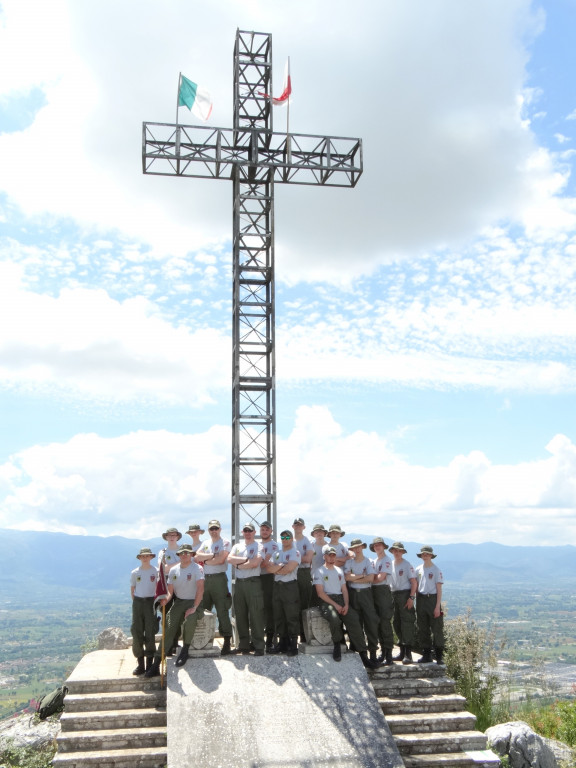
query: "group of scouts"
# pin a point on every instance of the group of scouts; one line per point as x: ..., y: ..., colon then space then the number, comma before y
x: 370, y: 598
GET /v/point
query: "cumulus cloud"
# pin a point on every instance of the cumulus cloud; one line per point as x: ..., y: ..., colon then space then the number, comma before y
x: 137, y: 484
x: 447, y: 146
x: 85, y: 344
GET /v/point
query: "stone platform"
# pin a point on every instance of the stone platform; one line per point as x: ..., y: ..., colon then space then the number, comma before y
x: 274, y: 711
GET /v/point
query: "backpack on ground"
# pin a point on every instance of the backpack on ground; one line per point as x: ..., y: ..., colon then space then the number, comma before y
x: 52, y: 702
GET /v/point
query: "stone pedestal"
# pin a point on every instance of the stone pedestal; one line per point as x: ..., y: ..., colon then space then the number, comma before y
x: 317, y: 633
x: 203, y: 641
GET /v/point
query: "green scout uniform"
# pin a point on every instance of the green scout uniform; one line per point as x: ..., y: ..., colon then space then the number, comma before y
x: 248, y: 599
x: 267, y: 582
x: 286, y: 595
x: 184, y: 582
x: 216, y: 592
x: 144, y: 622
x: 362, y: 601
x: 384, y: 603
x: 428, y: 626
x: 404, y: 618
x: 332, y: 580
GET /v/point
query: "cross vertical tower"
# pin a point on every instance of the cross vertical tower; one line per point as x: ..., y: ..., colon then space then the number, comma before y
x: 253, y: 332
x: 253, y: 157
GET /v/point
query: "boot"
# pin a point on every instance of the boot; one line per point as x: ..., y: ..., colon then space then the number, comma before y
x: 439, y: 656
x: 182, y: 656
x: 366, y: 661
x: 173, y: 648
x: 226, y: 650
x: 280, y: 647
x: 337, y: 652
x: 407, y: 655
x: 269, y: 642
x: 388, y: 656
x: 293, y: 646
x: 140, y: 669
x: 374, y: 659
x: 401, y: 653
x: 149, y: 660
x: 426, y: 657
x: 154, y: 670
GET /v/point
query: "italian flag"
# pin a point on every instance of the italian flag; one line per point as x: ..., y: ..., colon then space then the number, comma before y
x: 197, y: 99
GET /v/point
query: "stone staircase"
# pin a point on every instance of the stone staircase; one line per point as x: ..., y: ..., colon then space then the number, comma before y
x: 428, y: 719
x: 114, y: 723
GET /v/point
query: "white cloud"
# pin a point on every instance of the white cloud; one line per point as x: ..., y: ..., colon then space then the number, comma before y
x: 447, y: 147
x: 84, y: 343
x: 137, y: 484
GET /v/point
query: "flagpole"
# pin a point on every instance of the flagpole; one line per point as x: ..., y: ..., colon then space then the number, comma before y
x: 178, y: 95
x: 288, y: 105
x: 163, y: 657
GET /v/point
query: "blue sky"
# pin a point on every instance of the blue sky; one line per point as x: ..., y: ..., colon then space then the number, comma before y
x: 426, y: 320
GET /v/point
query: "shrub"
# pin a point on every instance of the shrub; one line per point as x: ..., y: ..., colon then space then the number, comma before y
x: 471, y: 661
x: 27, y: 757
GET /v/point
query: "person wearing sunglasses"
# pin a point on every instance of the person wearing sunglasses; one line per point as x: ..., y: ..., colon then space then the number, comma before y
x: 284, y: 565
x: 213, y: 556
x: 246, y: 556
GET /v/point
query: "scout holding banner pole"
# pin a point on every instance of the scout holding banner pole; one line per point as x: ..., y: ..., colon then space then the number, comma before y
x: 162, y: 594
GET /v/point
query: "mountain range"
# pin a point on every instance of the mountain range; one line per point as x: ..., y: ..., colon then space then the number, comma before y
x: 97, y: 563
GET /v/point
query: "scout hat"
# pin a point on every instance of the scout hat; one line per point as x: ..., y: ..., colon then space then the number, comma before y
x: 429, y: 550
x: 399, y: 546
x: 171, y: 530
x: 378, y: 540
x: 193, y: 527
x: 357, y: 543
x: 248, y: 526
x: 214, y: 524
x: 186, y: 548
x: 298, y: 521
x: 266, y: 524
x: 319, y: 527
x: 145, y: 551
x: 330, y: 551
x: 336, y: 529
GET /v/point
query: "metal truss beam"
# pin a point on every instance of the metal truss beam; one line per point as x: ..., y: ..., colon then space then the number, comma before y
x: 254, y: 158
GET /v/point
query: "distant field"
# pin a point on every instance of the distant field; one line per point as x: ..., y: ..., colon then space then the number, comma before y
x: 42, y: 638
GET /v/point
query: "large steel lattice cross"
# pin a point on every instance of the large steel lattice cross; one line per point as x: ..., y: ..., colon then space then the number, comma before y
x: 253, y: 157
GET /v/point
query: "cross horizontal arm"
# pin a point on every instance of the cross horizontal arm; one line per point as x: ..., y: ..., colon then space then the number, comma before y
x: 214, y: 153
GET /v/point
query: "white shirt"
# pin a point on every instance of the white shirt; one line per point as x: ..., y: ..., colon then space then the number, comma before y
x: 144, y: 581
x: 401, y: 574
x: 254, y: 549
x: 428, y: 578
x: 286, y: 556
x: 363, y: 568
x: 383, y: 565
x: 331, y: 579
x: 215, y: 548
x: 184, y: 580
x: 268, y: 548
x: 304, y: 546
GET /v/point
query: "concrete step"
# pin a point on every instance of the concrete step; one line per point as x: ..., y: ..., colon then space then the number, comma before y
x: 90, y: 702
x: 114, y: 684
x: 138, y: 757
x: 111, y: 719
x: 433, y: 743
x: 483, y: 759
x: 413, y: 686
x: 406, y: 671
x: 452, y: 702
x: 107, y: 739
x: 431, y: 722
